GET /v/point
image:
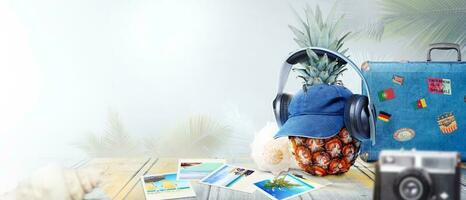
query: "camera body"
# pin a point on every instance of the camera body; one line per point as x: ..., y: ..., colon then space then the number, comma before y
x: 417, y: 175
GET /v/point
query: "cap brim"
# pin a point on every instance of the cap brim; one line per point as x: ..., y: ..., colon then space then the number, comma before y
x: 313, y: 126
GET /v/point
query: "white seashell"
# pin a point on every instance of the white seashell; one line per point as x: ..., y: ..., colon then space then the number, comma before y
x: 53, y: 182
x: 268, y: 153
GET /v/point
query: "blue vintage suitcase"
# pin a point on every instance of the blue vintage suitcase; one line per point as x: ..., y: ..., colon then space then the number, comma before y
x: 420, y: 105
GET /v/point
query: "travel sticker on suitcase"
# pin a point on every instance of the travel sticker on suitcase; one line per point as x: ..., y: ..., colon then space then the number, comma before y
x: 418, y: 105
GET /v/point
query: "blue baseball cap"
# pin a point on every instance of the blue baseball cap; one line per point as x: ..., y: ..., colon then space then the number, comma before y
x: 316, y: 112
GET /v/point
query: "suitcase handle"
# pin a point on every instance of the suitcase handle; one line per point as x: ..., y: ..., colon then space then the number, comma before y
x: 444, y: 46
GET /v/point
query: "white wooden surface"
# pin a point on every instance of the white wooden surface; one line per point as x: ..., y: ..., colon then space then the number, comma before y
x: 122, y: 180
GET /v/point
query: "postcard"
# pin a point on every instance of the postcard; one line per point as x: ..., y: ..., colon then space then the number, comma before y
x: 165, y: 186
x: 285, y: 187
x: 197, y: 169
x: 316, y: 181
x: 235, y: 178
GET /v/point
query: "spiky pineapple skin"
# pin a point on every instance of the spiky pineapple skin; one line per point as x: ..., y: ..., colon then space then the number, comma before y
x: 321, y: 157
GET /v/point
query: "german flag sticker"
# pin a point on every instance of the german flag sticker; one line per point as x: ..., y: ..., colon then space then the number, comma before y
x: 383, y: 116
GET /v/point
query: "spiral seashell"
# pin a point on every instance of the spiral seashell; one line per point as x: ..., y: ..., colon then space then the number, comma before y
x: 53, y: 182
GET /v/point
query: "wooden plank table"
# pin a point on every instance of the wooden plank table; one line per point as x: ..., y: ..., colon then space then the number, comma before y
x: 121, y: 180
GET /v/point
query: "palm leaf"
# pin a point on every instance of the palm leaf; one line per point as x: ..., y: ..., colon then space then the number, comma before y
x: 199, y: 136
x: 280, y: 183
x: 425, y: 21
x: 114, y: 142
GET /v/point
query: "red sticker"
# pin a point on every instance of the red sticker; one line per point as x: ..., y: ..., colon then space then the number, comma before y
x: 398, y: 79
x: 386, y: 94
x: 439, y: 86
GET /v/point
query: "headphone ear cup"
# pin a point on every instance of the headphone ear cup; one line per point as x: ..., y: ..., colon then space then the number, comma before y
x: 357, y: 116
x: 280, y: 107
x: 284, y: 108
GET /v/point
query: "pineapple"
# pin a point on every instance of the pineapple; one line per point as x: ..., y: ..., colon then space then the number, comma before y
x: 336, y: 154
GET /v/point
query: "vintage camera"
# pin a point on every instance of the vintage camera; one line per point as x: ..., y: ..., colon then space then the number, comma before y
x: 417, y: 175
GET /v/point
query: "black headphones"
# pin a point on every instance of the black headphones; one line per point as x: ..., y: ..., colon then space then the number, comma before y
x: 359, y: 117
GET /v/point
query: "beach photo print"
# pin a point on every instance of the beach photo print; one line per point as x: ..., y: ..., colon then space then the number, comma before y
x: 197, y: 169
x: 235, y: 178
x: 165, y: 186
x: 285, y: 187
x: 316, y: 181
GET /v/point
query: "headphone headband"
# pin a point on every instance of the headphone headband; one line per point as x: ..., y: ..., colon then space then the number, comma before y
x: 301, y: 55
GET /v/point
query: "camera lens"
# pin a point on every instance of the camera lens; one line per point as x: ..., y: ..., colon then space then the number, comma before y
x: 412, y: 184
x: 410, y: 188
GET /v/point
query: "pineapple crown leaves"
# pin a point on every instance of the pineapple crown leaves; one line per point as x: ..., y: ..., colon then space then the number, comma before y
x: 317, y: 32
x: 317, y: 70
